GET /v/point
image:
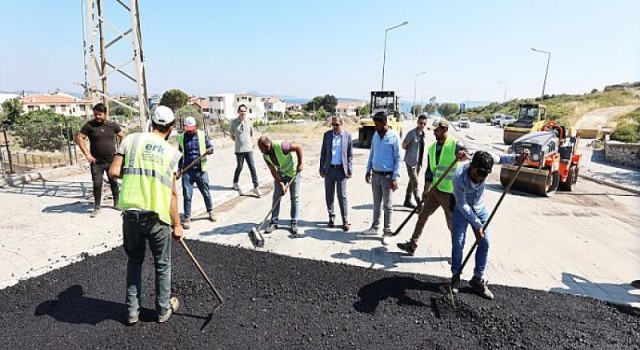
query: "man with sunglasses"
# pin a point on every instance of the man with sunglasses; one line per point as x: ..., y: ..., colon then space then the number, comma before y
x: 439, y: 156
x: 336, y: 166
x: 468, y: 207
x: 413, y: 144
x: 241, y: 132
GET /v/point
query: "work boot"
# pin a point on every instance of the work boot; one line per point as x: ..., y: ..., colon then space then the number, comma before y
x: 186, y: 223
x: 481, y: 287
x: 454, y: 284
x: 95, y: 212
x: 212, y: 217
x: 175, y: 304
x: 257, y: 192
x: 409, y: 247
x: 294, y: 228
x: 272, y: 227
x: 408, y: 204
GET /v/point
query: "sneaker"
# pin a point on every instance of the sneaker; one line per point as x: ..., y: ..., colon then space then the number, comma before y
x: 212, y: 217
x: 294, y: 228
x: 331, y: 223
x: 409, y: 247
x: 175, y: 304
x: 370, y: 231
x: 95, y: 212
x: 386, y: 237
x: 236, y: 186
x: 186, y: 223
x: 133, y: 319
x: 346, y: 227
x: 481, y: 287
x: 408, y: 204
x: 257, y: 192
x: 272, y: 227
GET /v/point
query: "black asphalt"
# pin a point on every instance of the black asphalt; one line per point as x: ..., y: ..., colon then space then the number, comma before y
x: 278, y: 302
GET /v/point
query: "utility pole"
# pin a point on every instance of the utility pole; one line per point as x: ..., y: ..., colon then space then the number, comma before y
x: 546, y: 71
x: 384, y: 53
x: 415, y: 86
x: 99, y: 72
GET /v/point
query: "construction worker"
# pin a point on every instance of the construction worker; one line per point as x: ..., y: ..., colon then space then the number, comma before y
x: 413, y: 144
x: 384, y: 163
x: 336, y: 167
x: 468, y: 207
x: 440, y: 155
x: 193, y: 143
x: 101, y: 133
x: 284, y: 159
x: 241, y: 132
x: 147, y: 164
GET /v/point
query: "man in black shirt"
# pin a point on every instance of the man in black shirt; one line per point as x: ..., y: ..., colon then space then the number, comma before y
x: 102, y: 142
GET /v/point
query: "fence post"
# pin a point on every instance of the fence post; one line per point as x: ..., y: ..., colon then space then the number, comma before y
x: 6, y: 143
x: 66, y: 136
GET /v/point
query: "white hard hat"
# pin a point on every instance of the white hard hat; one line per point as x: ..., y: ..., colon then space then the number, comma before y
x: 163, y: 116
x: 189, y: 123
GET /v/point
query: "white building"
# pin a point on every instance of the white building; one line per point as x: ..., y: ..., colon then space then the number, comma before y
x: 275, y: 104
x: 348, y: 108
x: 58, y: 102
x: 226, y: 105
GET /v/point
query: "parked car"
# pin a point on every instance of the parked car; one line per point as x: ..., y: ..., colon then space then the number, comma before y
x: 507, y: 120
x: 464, y: 122
x: 495, y: 120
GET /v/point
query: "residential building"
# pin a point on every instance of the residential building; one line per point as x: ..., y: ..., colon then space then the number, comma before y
x: 295, y: 107
x: 58, y: 102
x: 275, y: 104
x: 201, y: 104
x: 225, y: 106
x: 349, y: 108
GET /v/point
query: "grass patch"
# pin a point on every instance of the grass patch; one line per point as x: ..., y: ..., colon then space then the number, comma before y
x: 628, y: 127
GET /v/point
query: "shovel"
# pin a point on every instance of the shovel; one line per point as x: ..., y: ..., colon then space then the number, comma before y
x: 206, y: 278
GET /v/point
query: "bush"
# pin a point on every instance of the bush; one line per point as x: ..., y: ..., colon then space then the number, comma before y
x: 627, y: 132
x: 46, y: 130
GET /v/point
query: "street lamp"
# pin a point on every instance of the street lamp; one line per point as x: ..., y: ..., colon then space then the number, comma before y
x: 546, y: 71
x: 504, y: 98
x: 415, y: 86
x: 384, y: 54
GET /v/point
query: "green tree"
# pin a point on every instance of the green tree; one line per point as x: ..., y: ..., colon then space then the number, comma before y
x: 430, y: 108
x: 328, y: 102
x: 364, y: 110
x: 447, y: 109
x: 416, y: 110
x: 46, y: 130
x: 174, y: 99
x: 12, y: 110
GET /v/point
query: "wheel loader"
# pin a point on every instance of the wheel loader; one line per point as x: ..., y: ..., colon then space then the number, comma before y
x: 385, y: 101
x: 553, y: 164
x: 531, y: 117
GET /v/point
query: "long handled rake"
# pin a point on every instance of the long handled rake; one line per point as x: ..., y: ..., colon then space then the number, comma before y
x: 204, y: 275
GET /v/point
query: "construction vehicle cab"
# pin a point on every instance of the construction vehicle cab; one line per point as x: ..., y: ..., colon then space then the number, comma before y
x: 381, y: 101
x: 531, y: 117
x: 553, y: 164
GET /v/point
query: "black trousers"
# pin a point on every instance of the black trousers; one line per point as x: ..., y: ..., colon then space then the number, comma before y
x: 97, y: 170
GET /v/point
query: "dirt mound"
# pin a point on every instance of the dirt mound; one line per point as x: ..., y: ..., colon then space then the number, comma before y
x: 279, y: 302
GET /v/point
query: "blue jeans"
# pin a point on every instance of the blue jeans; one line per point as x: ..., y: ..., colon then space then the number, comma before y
x: 240, y: 158
x: 202, y: 181
x: 294, y: 194
x: 137, y: 231
x: 458, y: 234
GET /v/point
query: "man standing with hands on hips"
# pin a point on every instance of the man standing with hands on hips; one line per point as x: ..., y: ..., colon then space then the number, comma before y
x: 192, y: 144
x: 336, y: 166
x: 383, y: 171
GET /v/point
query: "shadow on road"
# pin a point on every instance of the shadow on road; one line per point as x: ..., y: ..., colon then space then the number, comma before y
x: 72, y: 306
x: 392, y: 287
x: 578, y: 285
x: 75, y: 207
x: 382, y: 256
x: 62, y: 189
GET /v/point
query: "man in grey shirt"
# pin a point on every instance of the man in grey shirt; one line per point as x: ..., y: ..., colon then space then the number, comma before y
x: 413, y: 144
x: 241, y: 132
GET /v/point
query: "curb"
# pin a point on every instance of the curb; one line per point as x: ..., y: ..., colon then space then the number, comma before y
x: 610, y: 184
x: 18, y: 180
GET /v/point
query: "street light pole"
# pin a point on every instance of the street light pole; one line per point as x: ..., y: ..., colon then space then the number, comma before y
x: 415, y: 86
x: 546, y: 72
x: 504, y: 98
x: 384, y: 53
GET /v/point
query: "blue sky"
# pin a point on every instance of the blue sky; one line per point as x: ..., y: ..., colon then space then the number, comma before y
x: 308, y: 48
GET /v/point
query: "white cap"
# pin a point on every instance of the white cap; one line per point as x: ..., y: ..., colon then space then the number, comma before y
x: 163, y: 116
x: 189, y: 123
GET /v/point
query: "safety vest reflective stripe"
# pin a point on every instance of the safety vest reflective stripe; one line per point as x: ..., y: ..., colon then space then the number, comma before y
x: 133, y: 149
x: 166, y: 180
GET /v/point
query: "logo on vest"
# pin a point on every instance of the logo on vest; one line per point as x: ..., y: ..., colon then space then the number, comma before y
x: 154, y: 148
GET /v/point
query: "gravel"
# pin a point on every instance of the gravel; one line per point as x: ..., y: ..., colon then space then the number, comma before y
x: 275, y: 301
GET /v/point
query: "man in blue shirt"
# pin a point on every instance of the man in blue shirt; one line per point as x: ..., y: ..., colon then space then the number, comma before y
x: 193, y: 143
x: 469, y: 208
x: 384, y: 163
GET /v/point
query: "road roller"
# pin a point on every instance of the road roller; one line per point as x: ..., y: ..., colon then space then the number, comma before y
x: 531, y: 117
x: 553, y: 164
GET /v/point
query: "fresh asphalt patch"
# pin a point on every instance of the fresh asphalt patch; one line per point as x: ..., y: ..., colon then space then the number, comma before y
x: 279, y: 302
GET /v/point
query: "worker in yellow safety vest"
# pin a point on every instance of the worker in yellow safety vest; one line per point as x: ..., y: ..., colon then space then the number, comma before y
x: 147, y: 164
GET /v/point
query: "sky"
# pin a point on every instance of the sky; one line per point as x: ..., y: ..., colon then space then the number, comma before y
x: 309, y: 48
